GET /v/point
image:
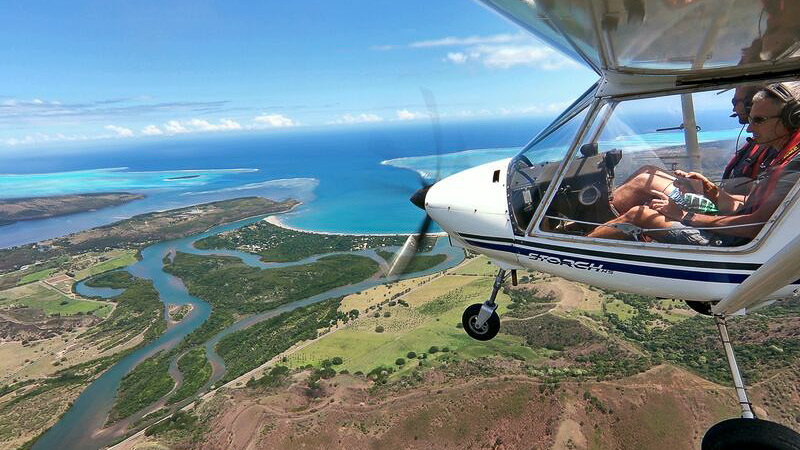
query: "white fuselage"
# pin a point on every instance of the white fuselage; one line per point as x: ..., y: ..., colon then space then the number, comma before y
x: 473, y: 209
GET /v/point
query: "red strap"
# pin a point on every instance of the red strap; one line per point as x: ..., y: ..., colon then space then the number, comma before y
x: 751, y: 171
x: 776, y: 168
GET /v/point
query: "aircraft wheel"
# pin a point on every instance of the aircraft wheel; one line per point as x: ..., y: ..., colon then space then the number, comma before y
x: 751, y: 434
x: 484, y: 333
x: 703, y: 308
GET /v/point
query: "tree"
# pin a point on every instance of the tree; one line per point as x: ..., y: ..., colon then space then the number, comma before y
x: 379, y: 329
x: 411, y: 355
x: 400, y: 361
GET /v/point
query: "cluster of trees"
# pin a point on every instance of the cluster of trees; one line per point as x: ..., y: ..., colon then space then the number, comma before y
x: 138, y: 310
x: 196, y: 370
x: 551, y: 332
x: 247, y: 349
x: 234, y: 288
x: 282, y: 245
x: 146, y: 383
x: 274, y: 378
x: 693, y: 343
x: 180, y: 421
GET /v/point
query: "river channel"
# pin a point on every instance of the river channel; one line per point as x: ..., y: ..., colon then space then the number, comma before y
x: 81, y: 427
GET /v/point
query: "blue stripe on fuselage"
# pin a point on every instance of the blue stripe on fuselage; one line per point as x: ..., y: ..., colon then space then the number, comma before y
x: 600, y: 266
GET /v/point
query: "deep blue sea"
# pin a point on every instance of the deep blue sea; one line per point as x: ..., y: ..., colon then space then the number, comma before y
x: 349, y: 180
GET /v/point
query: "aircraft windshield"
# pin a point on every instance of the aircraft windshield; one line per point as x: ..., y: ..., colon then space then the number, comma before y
x: 630, y: 178
x: 663, y: 35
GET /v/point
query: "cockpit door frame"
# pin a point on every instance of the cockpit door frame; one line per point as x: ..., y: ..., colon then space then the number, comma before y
x: 553, y: 187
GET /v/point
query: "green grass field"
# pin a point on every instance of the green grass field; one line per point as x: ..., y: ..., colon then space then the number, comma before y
x: 477, y: 266
x: 36, y: 276
x: 623, y: 311
x: 51, y: 302
x: 412, y: 329
x: 118, y: 258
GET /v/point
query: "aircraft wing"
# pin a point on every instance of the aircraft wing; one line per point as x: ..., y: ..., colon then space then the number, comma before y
x: 690, y: 38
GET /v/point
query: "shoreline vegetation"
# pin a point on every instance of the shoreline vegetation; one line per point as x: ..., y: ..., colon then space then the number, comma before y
x: 275, y: 242
x: 33, y: 208
x: 141, y: 230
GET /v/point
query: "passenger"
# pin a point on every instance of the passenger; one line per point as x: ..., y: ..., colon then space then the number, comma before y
x: 774, y: 121
x: 745, y: 165
x: 738, y: 175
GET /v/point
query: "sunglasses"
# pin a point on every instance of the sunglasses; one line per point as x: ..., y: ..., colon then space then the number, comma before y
x: 758, y: 120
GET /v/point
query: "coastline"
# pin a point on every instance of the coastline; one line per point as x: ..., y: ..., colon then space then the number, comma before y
x: 276, y: 220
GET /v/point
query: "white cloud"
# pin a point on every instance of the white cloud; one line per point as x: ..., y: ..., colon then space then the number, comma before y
x: 194, y: 126
x: 36, y: 101
x: 151, y: 130
x: 471, y: 40
x: 404, y: 114
x: 120, y: 131
x: 506, y: 56
x: 349, y: 119
x: 499, y: 51
x: 204, y: 125
x: 274, y: 120
x: 175, y: 127
x: 457, y: 57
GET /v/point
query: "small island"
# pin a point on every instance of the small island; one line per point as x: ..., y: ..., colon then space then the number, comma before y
x: 32, y: 208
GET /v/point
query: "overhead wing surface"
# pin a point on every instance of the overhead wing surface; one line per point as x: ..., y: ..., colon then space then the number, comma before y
x: 678, y: 37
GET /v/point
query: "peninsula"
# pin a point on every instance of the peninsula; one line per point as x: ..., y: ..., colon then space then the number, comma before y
x: 32, y: 208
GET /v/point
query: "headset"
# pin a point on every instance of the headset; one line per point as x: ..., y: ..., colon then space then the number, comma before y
x: 790, y: 113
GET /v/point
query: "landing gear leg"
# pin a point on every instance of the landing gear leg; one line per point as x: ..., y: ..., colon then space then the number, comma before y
x: 738, y: 383
x: 745, y: 432
x: 480, y: 320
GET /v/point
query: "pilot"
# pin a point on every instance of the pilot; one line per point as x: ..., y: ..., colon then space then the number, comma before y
x: 739, y: 173
x: 774, y: 121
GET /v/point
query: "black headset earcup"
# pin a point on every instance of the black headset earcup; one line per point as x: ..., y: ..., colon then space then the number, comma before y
x: 790, y: 115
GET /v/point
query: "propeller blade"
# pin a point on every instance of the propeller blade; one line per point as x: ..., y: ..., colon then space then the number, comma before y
x: 433, y: 114
x: 409, y: 249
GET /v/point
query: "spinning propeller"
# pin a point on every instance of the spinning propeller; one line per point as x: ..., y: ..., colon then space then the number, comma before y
x: 411, y: 246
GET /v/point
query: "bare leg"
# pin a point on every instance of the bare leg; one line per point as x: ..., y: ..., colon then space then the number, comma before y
x: 637, y: 189
x: 641, y: 216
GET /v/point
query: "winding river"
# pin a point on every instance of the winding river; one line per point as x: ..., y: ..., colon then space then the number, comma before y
x: 81, y: 427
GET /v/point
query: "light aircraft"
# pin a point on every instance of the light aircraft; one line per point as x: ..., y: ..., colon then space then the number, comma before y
x: 668, y: 70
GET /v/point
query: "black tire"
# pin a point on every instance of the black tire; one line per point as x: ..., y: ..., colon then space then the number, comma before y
x: 703, y: 308
x: 750, y: 434
x: 489, y: 329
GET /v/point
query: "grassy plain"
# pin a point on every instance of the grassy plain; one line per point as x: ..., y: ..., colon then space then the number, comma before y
x: 111, y: 260
x: 620, y: 309
x: 429, y: 320
x: 477, y: 266
x: 36, y: 276
x: 51, y: 302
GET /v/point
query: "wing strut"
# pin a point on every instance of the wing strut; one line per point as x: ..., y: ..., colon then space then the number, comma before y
x: 779, y: 271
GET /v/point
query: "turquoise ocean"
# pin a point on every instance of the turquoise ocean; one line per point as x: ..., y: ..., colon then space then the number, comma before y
x: 350, y: 180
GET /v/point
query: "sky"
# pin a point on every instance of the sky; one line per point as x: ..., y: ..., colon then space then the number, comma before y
x: 93, y: 69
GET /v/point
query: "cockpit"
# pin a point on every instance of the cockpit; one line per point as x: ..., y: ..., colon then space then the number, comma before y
x: 573, y: 180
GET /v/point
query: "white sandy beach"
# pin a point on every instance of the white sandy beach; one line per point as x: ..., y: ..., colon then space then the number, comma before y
x: 276, y: 220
